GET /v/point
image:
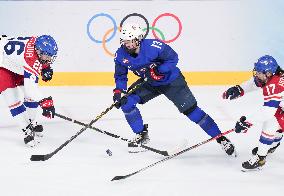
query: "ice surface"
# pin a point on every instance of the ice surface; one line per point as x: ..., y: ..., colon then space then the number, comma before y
x: 84, y: 168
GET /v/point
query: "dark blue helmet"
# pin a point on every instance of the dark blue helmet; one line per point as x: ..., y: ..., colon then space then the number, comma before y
x: 46, y: 46
x: 266, y: 64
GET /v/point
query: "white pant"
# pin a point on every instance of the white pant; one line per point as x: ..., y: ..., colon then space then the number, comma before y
x: 269, y: 132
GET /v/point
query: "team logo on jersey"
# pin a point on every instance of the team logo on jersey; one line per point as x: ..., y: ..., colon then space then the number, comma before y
x: 125, y: 61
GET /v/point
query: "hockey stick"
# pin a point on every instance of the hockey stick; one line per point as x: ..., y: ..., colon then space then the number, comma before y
x: 164, y: 153
x: 49, y: 155
x: 172, y: 156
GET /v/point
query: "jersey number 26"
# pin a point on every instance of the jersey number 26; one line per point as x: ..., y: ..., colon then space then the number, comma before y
x: 10, y: 47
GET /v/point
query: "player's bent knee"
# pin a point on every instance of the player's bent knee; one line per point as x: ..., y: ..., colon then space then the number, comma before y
x: 130, y: 104
x: 196, y: 114
x: 201, y: 118
x: 190, y: 110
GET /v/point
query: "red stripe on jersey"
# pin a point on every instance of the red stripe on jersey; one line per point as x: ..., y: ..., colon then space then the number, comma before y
x: 15, y: 104
x: 272, y: 97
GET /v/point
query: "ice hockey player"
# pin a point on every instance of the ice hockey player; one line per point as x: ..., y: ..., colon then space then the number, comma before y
x: 268, y: 76
x: 157, y: 62
x: 22, y: 61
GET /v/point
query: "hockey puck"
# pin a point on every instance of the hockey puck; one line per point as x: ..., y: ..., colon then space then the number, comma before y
x: 109, y: 152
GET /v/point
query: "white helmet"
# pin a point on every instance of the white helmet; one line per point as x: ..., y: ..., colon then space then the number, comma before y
x: 131, y: 31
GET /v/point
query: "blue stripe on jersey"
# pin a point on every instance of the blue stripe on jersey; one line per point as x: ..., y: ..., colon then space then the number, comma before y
x: 31, y: 104
x: 265, y: 140
x: 18, y: 110
x: 31, y: 76
x: 272, y: 103
x: 278, y: 139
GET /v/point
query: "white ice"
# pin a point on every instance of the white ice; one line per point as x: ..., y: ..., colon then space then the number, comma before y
x: 83, y: 167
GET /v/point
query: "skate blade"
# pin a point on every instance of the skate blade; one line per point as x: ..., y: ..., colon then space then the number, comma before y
x: 235, y: 154
x: 251, y: 170
x: 39, y: 134
x: 137, y: 150
x: 33, y: 144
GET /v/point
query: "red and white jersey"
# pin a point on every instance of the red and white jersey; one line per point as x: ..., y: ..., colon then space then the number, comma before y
x: 19, y: 55
x: 273, y: 97
x: 273, y: 91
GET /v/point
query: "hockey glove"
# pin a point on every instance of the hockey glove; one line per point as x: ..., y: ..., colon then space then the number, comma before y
x: 233, y: 92
x: 48, y: 109
x: 118, y: 99
x: 153, y: 73
x: 242, y: 125
x: 46, y: 73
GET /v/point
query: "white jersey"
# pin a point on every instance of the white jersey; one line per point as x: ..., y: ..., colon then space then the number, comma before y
x: 19, y: 56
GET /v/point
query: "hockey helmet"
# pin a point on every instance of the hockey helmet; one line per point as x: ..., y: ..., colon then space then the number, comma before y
x: 266, y: 64
x: 47, y: 46
x: 265, y: 67
x: 131, y: 31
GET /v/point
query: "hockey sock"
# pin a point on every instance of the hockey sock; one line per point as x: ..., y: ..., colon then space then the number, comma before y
x: 204, y: 121
x: 132, y: 113
x: 265, y: 141
x: 31, y: 107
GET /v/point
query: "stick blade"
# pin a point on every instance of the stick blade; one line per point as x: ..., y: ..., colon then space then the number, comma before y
x: 123, y: 177
x: 37, y: 158
x: 118, y: 178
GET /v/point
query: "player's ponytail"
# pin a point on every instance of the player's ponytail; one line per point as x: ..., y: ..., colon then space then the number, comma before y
x: 279, y: 71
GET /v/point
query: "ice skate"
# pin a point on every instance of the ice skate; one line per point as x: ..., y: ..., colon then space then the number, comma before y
x: 227, y: 146
x: 140, y: 138
x: 38, y: 129
x: 254, y: 164
x: 29, y: 138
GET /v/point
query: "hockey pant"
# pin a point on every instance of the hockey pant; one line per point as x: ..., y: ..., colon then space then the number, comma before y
x: 271, y: 134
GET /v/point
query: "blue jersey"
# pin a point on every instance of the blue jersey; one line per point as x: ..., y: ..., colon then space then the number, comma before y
x: 151, y: 51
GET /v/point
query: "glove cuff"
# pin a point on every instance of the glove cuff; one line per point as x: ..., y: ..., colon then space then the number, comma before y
x: 116, y: 90
x: 242, y: 92
x: 46, y: 102
x: 155, y: 74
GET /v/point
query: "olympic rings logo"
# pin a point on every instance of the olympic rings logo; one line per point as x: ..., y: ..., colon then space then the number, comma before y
x: 107, y: 37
